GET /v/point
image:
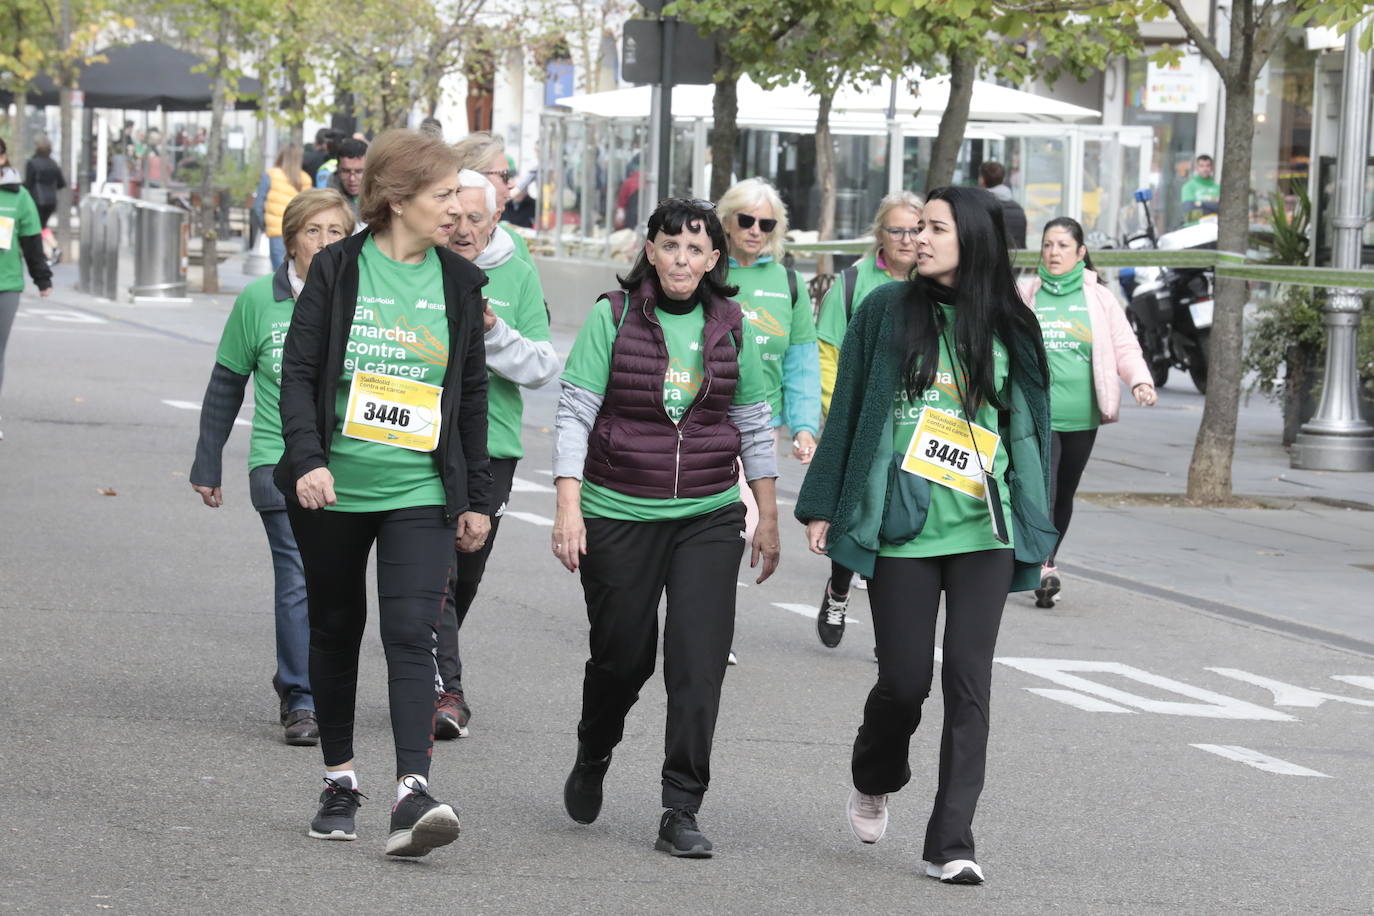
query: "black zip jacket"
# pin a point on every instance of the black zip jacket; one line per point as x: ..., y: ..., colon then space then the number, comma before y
x: 313, y: 361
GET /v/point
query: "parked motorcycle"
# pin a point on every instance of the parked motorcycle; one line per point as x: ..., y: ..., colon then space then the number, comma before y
x: 1170, y: 308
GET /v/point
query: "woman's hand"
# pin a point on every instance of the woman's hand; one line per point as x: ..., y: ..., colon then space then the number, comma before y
x: 804, y: 446
x: 316, y: 489
x: 473, y: 529
x: 768, y: 545
x: 569, y: 531
x: 488, y: 317
x: 211, y: 496
x: 1144, y: 394
x: 816, y: 533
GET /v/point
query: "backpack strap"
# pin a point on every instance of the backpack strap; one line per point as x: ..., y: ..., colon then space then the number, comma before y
x: 792, y: 284
x: 850, y: 278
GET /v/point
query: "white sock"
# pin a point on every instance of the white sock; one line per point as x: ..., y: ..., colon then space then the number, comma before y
x: 402, y: 789
x: 343, y: 777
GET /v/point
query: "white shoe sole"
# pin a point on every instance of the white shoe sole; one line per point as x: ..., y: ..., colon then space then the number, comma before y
x: 436, y: 827
x: 334, y: 835
x: 849, y: 819
x: 959, y: 871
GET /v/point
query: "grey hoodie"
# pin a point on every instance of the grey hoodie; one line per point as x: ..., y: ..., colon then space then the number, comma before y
x: 511, y: 355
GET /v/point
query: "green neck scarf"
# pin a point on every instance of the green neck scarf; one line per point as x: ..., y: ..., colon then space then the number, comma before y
x: 1070, y: 282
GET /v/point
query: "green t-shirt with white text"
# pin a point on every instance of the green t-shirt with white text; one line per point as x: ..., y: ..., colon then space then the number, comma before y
x: 1068, y: 338
x: 251, y: 345
x: 514, y: 293
x: 18, y: 218
x: 773, y: 318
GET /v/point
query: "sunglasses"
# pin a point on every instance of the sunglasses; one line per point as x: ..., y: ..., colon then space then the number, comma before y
x: 746, y: 222
x: 504, y: 174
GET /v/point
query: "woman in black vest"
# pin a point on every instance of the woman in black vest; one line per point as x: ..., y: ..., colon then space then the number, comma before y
x: 661, y: 396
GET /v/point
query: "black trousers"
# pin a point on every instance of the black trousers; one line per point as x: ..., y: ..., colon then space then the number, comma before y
x: 905, y: 597
x: 1069, y: 454
x: 44, y: 214
x: 628, y: 567
x: 464, y: 578
x: 414, y: 553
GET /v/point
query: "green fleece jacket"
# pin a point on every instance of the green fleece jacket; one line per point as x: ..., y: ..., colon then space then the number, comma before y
x: 852, y: 482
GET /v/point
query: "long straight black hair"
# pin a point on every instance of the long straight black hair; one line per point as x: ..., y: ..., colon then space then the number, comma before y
x: 674, y: 216
x: 987, y: 304
x: 1073, y: 228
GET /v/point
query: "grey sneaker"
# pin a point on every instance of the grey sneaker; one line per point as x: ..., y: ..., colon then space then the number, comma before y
x: 339, y: 804
x: 420, y: 823
x: 867, y: 816
x: 679, y: 835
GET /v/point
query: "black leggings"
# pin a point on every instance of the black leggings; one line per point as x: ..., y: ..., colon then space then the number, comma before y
x: 464, y: 578
x: 414, y: 553
x: 904, y: 595
x: 1069, y: 456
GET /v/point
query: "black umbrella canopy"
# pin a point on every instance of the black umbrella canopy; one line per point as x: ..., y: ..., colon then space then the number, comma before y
x: 144, y: 75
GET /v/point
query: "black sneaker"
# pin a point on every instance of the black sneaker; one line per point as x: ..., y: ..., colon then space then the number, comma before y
x: 339, y: 803
x: 679, y: 835
x: 301, y: 728
x: 830, y: 618
x: 452, y: 714
x: 1050, y: 587
x: 582, y: 791
x: 419, y: 823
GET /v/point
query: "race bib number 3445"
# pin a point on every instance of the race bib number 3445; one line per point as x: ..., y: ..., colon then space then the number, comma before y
x: 942, y: 451
x: 393, y: 411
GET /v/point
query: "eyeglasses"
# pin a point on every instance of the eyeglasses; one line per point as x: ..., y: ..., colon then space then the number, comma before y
x: 901, y: 234
x: 504, y: 174
x: 353, y: 173
x: 746, y: 221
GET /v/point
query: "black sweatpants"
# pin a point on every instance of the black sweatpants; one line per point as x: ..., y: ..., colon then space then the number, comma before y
x: 414, y: 553
x: 627, y: 568
x: 904, y: 595
x: 1069, y: 454
x: 464, y: 578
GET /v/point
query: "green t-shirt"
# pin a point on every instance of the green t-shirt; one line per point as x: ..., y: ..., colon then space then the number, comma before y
x: 522, y: 247
x: 19, y: 216
x: 956, y: 522
x: 589, y: 367
x: 516, y: 296
x: 772, y: 318
x: 251, y: 345
x: 1197, y: 189
x: 1063, y: 312
x: 833, y: 322
x: 400, y: 328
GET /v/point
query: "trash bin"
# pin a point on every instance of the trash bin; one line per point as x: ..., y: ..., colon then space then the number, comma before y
x: 159, y: 267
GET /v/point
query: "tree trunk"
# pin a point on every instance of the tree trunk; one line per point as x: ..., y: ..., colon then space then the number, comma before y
x: 1209, y: 473
x: 209, y: 222
x: 64, y: 196
x: 725, y: 134
x: 20, y: 153
x: 944, y: 154
x: 825, y: 168
x: 295, y: 106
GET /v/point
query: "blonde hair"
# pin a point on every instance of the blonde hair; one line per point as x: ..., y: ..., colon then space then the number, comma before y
x: 304, y: 206
x: 289, y: 161
x: 885, y: 207
x: 399, y: 165
x: 476, y: 149
x: 751, y: 193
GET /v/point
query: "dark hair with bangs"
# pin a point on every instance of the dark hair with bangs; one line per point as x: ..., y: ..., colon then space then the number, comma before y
x: 987, y: 305
x: 672, y: 217
x: 1073, y: 228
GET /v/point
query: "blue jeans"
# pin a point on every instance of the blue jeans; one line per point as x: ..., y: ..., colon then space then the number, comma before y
x: 276, y: 250
x: 292, y: 680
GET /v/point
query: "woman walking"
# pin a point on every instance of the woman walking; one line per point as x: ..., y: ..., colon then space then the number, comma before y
x: 21, y: 245
x: 251, y: 345
x: 277, y: 186
x: 1089, y: 344
x: 662, y: 395
x: 43, y: 177
x: 384, y: 415
x: 931, y: 478
x: 893, y: 258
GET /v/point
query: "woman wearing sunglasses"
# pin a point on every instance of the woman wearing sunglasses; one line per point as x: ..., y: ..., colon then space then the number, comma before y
x: 892, y: 258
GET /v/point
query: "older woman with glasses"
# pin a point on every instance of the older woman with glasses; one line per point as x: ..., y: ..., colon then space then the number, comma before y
x: 892, y: 258
x: 484, y: 152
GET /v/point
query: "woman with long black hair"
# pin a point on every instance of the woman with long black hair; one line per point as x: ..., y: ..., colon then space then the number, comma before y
x: 932, y: 477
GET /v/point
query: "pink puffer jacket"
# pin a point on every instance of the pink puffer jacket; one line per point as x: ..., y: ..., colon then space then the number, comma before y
x: 1108, y: 323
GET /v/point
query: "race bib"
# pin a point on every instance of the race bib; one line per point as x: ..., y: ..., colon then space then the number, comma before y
x: 393, y: 411
x: 6, y: 232
x: 942, y: 451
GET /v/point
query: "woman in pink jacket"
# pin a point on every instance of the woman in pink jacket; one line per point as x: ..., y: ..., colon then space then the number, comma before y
x: 1089, y: 345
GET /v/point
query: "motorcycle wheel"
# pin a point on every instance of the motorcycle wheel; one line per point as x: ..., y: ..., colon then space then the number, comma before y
x: 1154, y: 358
x: 1197, y: 360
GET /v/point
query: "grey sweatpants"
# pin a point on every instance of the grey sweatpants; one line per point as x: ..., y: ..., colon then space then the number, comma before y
x: 9, y: 304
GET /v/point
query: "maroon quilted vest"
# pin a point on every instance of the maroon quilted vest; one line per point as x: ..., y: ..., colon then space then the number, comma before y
x: 634, y: 447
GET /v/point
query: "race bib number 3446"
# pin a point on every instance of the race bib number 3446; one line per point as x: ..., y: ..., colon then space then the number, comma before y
x: 942, y: 451
x: 393, y: 411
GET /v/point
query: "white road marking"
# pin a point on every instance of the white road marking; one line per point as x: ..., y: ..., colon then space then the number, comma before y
x: 810, y: 610
x: 1208, y: 705
x: 519, y: 485
x: 1079, y: 700
x: 194, y: 405
x: 545, y: 473
x: 784, y: 501
x: 1258, y: 761
x: 1359, y: 680
x: 1289, y: 694
x: 530, y: 517
x: 63, y: 315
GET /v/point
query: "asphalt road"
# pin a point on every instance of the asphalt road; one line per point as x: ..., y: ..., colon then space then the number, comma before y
x: 1146, y: 756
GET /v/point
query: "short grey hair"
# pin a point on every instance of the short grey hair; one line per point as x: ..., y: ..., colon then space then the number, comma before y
x: 885, y: 207
x: 476, y: 149
x: 748, y: 194
x: 468, y: 178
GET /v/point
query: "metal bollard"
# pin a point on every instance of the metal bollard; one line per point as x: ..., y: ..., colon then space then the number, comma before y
x: 159, y: 267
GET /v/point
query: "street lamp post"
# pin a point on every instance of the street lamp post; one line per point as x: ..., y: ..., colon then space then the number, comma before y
x: 1337, y: 438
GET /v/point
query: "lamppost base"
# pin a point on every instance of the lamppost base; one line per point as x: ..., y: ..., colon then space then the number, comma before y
x: 1326, y: 452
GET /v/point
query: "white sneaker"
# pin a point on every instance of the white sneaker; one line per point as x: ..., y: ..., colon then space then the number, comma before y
x: 730, y: 659
x: 956, y: 871
x: 859, y: 582
x: 867, y: 816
